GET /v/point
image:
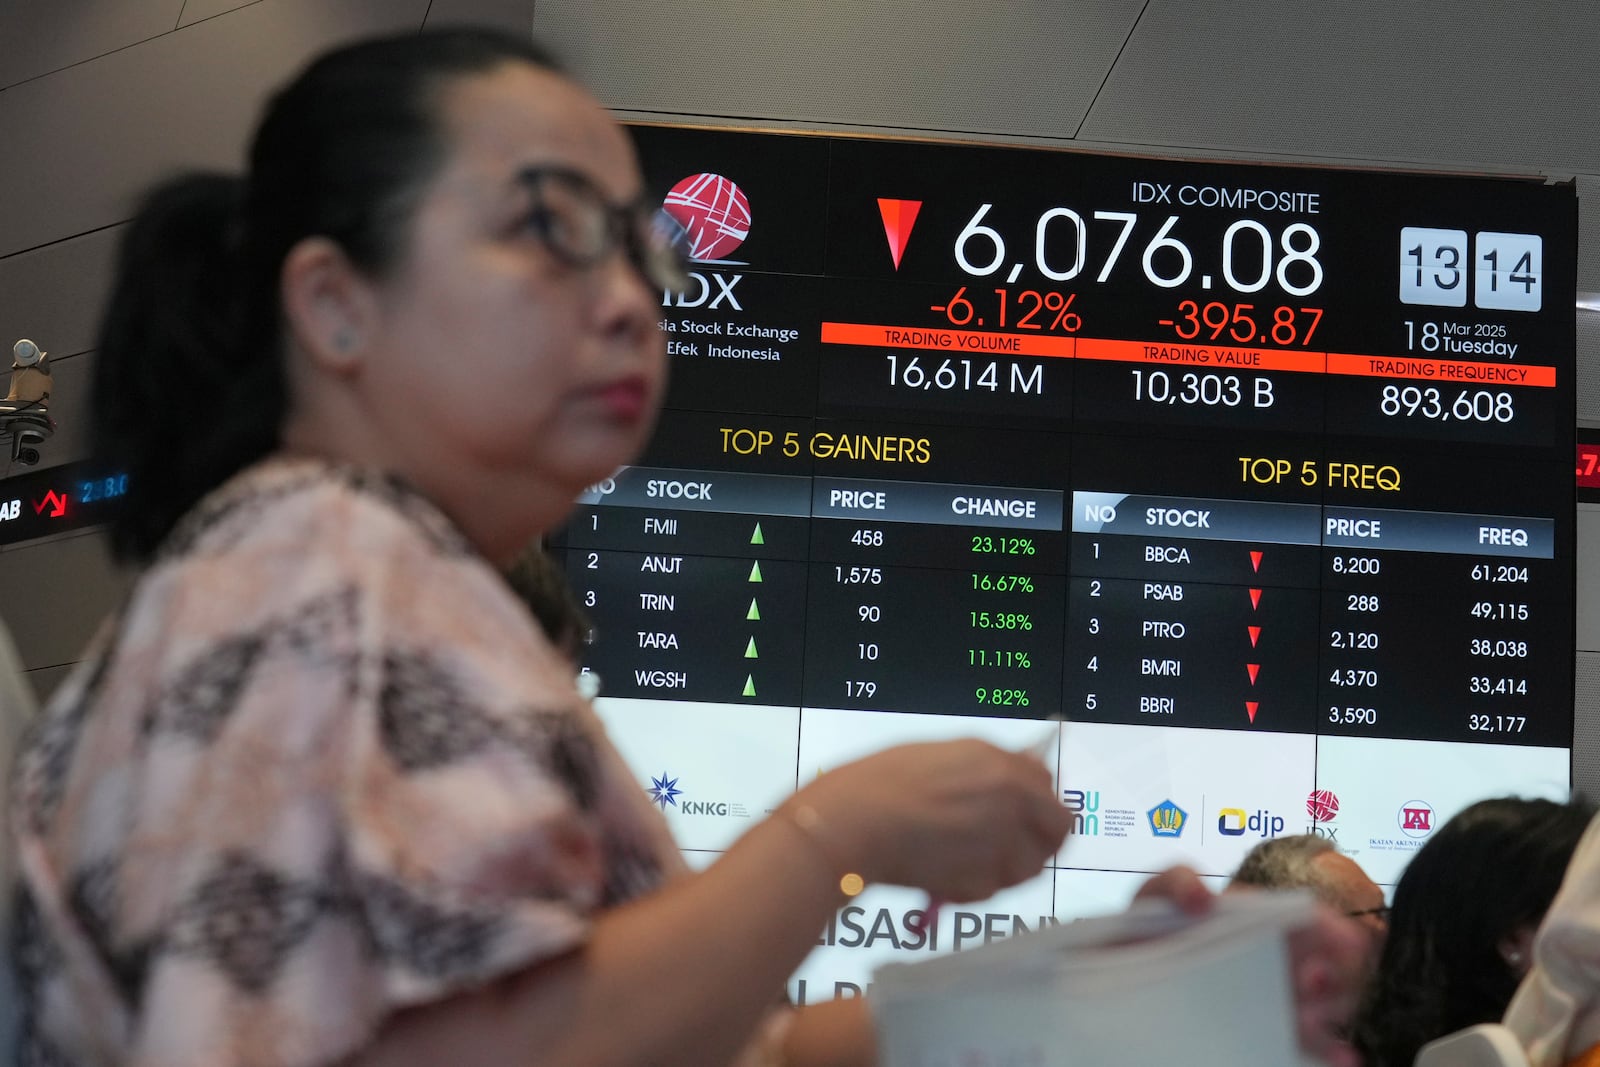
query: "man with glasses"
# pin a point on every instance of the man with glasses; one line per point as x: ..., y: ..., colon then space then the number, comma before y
x: 1306, y: 861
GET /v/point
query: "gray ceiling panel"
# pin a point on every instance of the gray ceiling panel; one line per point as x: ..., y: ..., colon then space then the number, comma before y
x: 70, y: 381
x: 75, y: 576
x: 1588, y: 586
x: 39, y: 36
x: 1588, y: 369
x: 199, y: 10
x: 1586, y: 731
x: 53, y: 294
x: 45, y: 679
x: 180, y: 100
x: 946, y: 65
x: 513, y: 16
x: 1588, y: 233
x: 1466, y: 84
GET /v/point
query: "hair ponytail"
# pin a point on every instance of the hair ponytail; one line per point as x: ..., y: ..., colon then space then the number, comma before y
x: 190, y: 385
x: 187, y: 390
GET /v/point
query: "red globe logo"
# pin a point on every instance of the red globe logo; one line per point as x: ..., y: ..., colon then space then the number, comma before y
x: 1322, y: 805
x: 714, y: 213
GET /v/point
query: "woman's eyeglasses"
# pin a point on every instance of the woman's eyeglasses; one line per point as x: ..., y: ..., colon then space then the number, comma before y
x: 581, y: 227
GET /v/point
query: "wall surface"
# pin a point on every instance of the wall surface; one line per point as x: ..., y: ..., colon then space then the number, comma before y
x: 100, y: 97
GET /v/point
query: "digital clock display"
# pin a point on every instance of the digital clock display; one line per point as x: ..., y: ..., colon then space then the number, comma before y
x: 1248, y: 473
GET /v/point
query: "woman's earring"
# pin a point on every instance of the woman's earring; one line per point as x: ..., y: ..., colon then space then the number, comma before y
x: 344, y: 340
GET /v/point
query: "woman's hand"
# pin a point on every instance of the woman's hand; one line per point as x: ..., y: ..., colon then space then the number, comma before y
x: 961, y: 819
x: 1329, y: 962
x: 1327, y: 959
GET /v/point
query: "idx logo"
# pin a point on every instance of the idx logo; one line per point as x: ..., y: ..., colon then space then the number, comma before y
x: 1236, y: 822
x: 700, y: 292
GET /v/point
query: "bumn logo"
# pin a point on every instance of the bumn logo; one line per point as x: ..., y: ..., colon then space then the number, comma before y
x: 715, y: 214
x: 1085, y: 807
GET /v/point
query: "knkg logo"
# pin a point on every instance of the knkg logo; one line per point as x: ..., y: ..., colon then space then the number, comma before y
x: 665, y: 791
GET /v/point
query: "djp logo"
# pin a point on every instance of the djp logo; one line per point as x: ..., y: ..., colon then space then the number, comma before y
x: 1236, y: 822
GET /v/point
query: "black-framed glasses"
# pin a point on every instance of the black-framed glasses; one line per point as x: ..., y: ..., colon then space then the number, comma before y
x: 1379, y: 913
x: 581, y: 227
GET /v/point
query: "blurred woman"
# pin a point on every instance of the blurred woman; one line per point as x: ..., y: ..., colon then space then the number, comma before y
x: 321, y: 791
x: 1462, y: 923
x: 1555, y: 1014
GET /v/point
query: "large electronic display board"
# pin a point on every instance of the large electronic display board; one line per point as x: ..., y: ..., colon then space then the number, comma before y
x: 1244, y: 484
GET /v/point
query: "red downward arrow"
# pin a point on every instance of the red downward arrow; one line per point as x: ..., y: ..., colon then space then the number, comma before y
x: 1254, y: 669
x: 56, y: 502
x: 1255, y: 561
x: 898, y: 218
x: 1255, y: 599
x: 1251, y: 706
x: 1255, y: 635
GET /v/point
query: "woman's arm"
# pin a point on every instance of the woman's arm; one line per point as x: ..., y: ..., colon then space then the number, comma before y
x: 685, y: 975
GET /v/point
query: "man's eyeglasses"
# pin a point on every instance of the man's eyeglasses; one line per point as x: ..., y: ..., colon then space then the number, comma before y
x: 581, y: 227
x: 1381, y: 914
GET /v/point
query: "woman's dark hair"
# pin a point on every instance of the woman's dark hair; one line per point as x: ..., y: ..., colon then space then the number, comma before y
x: 539, y: 583
x: 1489, y: 871
x: 189, y: 380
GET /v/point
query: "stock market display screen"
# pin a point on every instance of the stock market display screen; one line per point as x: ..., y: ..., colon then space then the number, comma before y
x: 1243, y: 488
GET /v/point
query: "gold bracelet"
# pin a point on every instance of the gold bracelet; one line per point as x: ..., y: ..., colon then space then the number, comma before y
x: 813, y: 828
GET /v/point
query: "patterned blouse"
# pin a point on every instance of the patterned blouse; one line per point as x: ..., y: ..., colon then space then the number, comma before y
x: 321, y: 766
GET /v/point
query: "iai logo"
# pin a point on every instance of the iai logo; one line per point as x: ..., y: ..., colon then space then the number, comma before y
x: 1416, y: 818
x: 714, y: 213
x: 1167, y: 819
x: 665, y: 791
